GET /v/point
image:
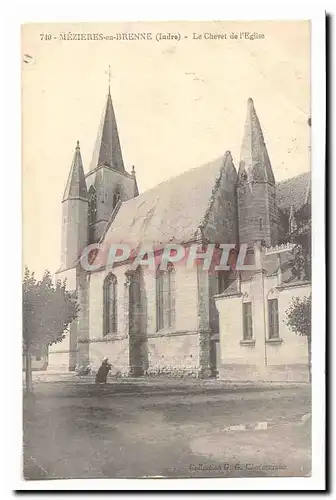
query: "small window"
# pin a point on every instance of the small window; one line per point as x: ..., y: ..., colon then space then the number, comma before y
x: 38, y: 358
x: 273, y: 319
x: 247, y: 321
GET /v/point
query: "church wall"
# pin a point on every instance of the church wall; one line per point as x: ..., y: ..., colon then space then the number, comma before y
x: 96, y: 305
x: 174, y: 351
x: 213, y: 311
x: 115, y: 350
x: 173, y: 354
x: 97, y: 301
x: 162, y: 350
x: 106, y: 181
x: 186, y: 298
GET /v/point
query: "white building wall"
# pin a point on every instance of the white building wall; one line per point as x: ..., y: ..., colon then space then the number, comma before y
x: 262, y: 359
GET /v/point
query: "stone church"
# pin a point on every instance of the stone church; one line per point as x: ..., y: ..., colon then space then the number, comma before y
x: 183, y: 321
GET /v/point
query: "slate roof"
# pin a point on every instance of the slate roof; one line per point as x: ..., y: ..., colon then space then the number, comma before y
x: 76, y: 185
x: 254, y: 162
x: 294, y: 192
x: 170, y: 212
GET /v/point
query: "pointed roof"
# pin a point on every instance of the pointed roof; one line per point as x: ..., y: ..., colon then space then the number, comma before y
x: 76, y: 185
x: 107, y: 149
x: 254, y: 163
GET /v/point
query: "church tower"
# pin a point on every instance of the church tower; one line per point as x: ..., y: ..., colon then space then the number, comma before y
x: 74, y: 214
x: 257, y: 209
x: 107, y: 180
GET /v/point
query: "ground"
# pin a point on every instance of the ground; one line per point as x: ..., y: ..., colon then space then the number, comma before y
x: 132, y: 429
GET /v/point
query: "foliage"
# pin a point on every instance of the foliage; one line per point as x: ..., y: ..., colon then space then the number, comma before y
x: 298, y: 316
x: 48, y: 310
x: 301, y: 265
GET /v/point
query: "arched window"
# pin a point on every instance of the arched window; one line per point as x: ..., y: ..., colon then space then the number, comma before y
x: 116, y: 197
x: 110, y: 305
x: 92, y: 205
x: 165, y: 298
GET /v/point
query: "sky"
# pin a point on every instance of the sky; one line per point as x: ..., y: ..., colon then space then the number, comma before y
x: 178, y: 105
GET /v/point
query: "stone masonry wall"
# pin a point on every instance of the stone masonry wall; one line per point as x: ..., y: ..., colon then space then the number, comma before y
x: 157, y: 350
x: 173, y: 355
x: 257, y: 213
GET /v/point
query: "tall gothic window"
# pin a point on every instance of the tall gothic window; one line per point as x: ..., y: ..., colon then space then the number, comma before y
x: 110, y: 305
x: 92, y: 205
x: 165, y: 298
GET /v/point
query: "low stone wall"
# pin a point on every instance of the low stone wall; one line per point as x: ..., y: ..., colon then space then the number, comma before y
x: 59, y: 361
x: 272, y: 373
x: 173, y: 355
x: 116, y: 351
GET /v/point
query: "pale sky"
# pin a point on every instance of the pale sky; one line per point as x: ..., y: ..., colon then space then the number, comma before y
x: 178, y: 105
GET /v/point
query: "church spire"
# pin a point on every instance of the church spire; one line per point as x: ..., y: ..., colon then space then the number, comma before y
x: 76, y: 185
x: 107, y: 150
x: 254, y: 163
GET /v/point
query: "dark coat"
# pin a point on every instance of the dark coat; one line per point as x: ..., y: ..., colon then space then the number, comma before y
x: 103, y: 372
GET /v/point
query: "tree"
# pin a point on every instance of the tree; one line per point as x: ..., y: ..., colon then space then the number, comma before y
x: 301, y: 237
x: 298, y: 319
x: 299, y: 233
x: 47, y: 310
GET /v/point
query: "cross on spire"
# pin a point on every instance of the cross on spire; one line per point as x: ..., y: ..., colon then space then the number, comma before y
x: 109, y: 74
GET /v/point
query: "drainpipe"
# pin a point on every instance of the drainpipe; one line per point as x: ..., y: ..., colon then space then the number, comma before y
x: 264, y: 304
x: 279, y: 273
